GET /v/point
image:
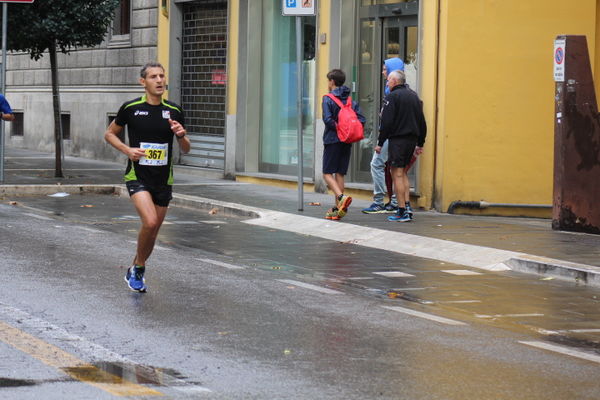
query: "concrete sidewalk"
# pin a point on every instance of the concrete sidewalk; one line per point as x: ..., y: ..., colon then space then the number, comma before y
x: 492, y: 243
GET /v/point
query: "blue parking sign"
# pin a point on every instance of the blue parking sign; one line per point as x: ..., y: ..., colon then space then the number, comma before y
x: 298, y: 7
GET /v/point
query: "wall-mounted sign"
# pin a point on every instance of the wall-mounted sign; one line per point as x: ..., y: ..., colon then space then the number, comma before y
x: 559, y: 59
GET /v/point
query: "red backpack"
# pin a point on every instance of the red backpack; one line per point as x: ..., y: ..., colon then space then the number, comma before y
x: 349, y: 128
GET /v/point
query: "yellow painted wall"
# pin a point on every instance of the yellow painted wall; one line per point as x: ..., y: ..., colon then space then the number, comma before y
x: 232, y: 55
x: 495, y: 134
x: 428, y: 36
x: 163, y: 39
x: 322, y: 55
x: 596, y: 51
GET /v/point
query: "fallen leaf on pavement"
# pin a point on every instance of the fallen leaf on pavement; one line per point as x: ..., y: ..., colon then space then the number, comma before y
x: 12, y: 203
x: 287, y: 352
x: 548, y: 278
x: 314, y: 203
x: 87, y: 206
x: 213, y: 211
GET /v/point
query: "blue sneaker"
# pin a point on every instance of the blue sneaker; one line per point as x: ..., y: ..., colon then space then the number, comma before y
x: 135, y: 279
x: 409, y: 211
x: 405, y: 217
x: 374, y: 209
x: 390, y: 208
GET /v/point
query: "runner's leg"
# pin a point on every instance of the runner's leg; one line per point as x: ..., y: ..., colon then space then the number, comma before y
x: 152, y: 217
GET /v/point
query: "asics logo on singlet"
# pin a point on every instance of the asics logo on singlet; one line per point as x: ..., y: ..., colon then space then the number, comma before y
x: 140, y: 112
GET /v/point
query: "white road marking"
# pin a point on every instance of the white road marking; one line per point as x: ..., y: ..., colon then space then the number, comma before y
x: 509, y: 315
x: 584, y: 330
x: 92, y: 230
x: 393, y: 274
x: 462, y: 272
x: 45, y: 330
x: 185, y: 222
x: 360, y: 278
x: 156, y: 247
x: 219, y: 263
x: 459, y: 301
x: 309, y: 286
x: 213, y: 222
x: 420, y: 314
x: 38, y: 216
x: 563, y: 350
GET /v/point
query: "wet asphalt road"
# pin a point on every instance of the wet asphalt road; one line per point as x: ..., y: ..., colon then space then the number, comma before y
x: 231, y: 314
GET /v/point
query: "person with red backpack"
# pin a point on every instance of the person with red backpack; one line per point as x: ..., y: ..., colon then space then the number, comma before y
x: 344, y: 125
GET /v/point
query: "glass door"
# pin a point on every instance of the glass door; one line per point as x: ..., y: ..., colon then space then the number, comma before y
x: 383, y: 35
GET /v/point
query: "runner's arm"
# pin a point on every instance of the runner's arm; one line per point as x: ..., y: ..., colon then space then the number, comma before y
x: 181, y: 134
x: 111, y: 136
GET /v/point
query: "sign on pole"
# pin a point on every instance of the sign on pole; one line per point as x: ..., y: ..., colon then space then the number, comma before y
x: 298, y: 7
x: 559, y: 59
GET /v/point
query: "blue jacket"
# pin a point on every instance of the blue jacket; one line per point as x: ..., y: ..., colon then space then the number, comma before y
x: 331, y: 111
x: 4, y: 106
x: 392, y: 64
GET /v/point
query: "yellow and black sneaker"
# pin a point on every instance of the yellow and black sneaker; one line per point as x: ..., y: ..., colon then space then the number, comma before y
x: 343, y: 204
x: 332, y: 214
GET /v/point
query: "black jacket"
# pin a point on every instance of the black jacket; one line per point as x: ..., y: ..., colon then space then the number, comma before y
x: 402, y: 115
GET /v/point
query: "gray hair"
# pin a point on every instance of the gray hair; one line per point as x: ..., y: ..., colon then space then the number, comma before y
x: 151, y: 64
x: 398, y: 75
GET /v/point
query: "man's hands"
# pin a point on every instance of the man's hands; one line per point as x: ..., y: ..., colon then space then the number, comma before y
x: 177, y: 129
x: 135, y: 153
x: 378, y: 149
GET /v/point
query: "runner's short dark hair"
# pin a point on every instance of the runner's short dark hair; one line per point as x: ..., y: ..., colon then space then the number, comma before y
x: 151, y: 64
x: 337, y: 76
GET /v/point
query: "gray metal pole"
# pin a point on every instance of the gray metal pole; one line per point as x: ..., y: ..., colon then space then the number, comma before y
x: 299, y: 88
x: 3, y: 79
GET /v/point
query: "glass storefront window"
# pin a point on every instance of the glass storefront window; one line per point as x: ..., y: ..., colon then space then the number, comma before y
x: 278, y: 131
x: 376, y: 2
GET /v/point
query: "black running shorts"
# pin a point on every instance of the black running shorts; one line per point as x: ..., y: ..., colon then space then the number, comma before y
x: 336, y: 157
x: 161, y: 194
x: 400, y: 150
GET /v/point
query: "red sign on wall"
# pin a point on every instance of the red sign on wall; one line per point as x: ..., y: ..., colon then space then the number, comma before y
x: 16, y: 1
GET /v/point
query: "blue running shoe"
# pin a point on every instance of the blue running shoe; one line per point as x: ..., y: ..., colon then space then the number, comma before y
x: 374, y: 209
x: 390, y: 208
x: 400, y: 218
x: 135, y: 279
x: 409, y: 211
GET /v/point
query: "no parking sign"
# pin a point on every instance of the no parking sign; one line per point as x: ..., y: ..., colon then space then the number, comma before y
x: 559, y: 59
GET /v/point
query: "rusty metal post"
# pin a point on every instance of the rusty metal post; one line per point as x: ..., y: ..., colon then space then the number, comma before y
x: 576, y: 202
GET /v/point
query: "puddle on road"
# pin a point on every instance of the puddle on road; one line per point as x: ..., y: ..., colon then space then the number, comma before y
x: 118, y: 373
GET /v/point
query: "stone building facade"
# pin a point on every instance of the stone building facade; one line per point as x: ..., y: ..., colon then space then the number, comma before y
x: 94, y: 82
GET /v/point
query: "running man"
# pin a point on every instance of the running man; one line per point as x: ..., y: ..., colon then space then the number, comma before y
x: 152, y: 122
